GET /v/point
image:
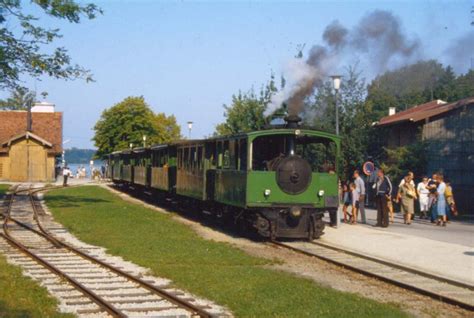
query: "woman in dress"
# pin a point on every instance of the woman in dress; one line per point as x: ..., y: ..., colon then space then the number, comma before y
x: 441, y: 201
x: 407, y: 196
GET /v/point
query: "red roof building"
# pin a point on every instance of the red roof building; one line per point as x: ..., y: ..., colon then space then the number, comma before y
x: 30, y: 155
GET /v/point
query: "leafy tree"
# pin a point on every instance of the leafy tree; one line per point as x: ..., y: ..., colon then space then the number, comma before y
x: 246, y: 113
x: 407, y: 158
x: 19, y: 100
x: 465, y: 85
x: 24, y: 43
x: 127, y: 122
x: 354, y: 117
x: 405, y: 87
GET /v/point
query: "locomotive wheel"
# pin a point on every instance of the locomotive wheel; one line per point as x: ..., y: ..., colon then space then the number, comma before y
x: 317, y: 227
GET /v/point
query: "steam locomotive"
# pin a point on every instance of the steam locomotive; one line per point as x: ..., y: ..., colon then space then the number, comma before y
x: 278, y: 181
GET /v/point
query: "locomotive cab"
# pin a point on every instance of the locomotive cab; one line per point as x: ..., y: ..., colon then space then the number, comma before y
x: 292, y: 181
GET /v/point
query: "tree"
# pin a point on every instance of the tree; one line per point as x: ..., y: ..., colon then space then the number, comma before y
x: 465, y: 85
x: 24, y: 44
x: 127, y: 122
x: 407, y: 158
x: 405, y: 87
x: 19, y: 100
x: 354, y: 114
x: 246, y: 113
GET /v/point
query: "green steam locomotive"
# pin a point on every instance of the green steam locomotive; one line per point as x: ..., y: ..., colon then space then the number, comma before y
x: 279, y: 181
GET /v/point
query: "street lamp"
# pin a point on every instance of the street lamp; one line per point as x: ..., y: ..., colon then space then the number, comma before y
x: 144, y: 140
x: 190, y: 127
x: 131, y: 145
x: 336, y: 81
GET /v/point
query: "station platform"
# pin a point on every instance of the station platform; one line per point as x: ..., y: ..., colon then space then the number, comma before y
x: 444, y: 251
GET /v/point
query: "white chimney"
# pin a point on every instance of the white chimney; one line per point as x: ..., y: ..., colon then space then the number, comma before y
x: 42, y: 107
x: 392, y: 111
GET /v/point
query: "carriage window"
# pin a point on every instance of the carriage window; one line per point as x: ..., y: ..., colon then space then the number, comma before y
x: 268, y: 151
x: 219, y: 154
x: 211, y: 154
x: 163, y: 158
x: 226, y: 155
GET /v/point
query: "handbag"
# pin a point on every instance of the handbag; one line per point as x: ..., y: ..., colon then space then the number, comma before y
x: 410, y: 191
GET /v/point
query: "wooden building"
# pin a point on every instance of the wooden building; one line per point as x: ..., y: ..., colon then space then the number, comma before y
x: 30, y: 155
x: 448, y: 130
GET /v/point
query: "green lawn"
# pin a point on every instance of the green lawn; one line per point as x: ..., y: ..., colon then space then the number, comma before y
x: 3, y: 189
x: 213, y: 270
x: 20, y: 296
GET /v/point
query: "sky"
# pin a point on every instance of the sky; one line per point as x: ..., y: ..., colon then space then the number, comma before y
x: 187, y: 58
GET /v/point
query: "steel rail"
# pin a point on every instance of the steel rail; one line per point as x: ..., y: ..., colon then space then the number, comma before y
x: 401, y: 267
x: 395, y: 282
x: 194, y: 309
x: 102, y: 303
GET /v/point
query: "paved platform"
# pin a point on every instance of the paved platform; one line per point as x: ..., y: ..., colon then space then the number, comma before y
x: 446, y: 251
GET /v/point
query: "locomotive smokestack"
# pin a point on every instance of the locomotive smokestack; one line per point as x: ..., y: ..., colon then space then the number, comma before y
x: 292, y: 121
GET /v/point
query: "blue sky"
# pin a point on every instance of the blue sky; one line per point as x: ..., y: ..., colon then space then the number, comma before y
x: 188, y: 58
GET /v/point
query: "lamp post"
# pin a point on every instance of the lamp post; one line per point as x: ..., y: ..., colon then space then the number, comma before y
x: 91, y: 169
x: 190, y: 127
x: 336, y: 81
x: 131, y: 145
x: 144, y: 141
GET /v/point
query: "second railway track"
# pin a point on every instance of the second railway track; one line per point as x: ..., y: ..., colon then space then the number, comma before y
x: 86, y: 284
x: 440, y: 288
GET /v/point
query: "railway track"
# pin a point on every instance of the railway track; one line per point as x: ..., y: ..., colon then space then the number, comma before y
x: 85, y: 282
x: 440, y: 288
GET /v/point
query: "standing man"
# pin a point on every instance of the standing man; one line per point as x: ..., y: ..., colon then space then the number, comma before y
x: 360, y: 188
x: 432, y: 187
x: 66, y: 174
x: 383, y: 191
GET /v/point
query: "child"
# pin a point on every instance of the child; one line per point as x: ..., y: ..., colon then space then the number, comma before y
x: 451, y: 205
x: 347, y: 202
x: 355, y: 202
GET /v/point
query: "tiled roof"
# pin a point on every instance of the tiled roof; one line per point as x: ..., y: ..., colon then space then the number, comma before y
x: 424, y: 111
x: 47, y: 126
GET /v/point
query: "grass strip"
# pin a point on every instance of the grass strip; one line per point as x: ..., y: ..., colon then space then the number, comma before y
x: 20, y: 296
x: 213, y: 270
x: 3, y: 190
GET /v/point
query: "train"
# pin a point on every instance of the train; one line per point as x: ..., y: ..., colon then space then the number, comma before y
x: 278, y: 182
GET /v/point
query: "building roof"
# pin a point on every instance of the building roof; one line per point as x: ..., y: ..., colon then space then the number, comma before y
x: 424, y: 111
x: 27, y: 135
x: 46, y: 126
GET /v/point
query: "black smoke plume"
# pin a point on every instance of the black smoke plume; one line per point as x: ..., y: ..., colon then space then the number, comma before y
x: 378, y: 36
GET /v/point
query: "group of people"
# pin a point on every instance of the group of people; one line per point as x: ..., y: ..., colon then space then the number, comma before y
x: 354, y: 197
x: 435, y: 197
x: 81, y: 172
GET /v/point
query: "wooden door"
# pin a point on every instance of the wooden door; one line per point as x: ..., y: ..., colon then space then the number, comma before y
x: 36, y: 162
x: 19, y: 162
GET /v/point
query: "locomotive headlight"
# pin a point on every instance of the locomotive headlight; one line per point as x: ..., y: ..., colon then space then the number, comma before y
x: 321, y: 193
x: 297, y: 132
x: 267, y: 192
x: 295, y: 211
